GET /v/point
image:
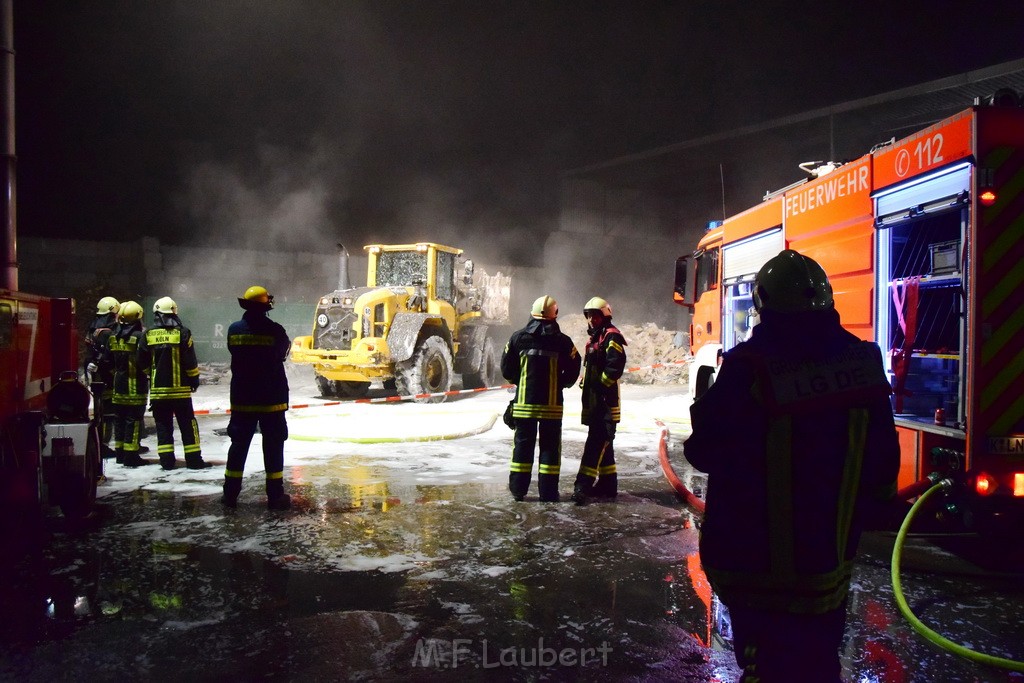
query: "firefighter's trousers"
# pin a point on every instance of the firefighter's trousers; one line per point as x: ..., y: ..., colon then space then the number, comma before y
x: 165, y: 410
x: 597, y: 475
x: 241, y: 428
x: 109, y: 418
x: 775, y: 647
x: 521, y: 469
x: 128, y: 427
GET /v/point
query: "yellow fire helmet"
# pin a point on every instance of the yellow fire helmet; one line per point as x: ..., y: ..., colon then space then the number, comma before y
x: 545, y: 308
x: 256, y: 298
x: 598, y: 304
x: 107, y: 304
x: 791, y: 283
x: 130, y: 312
x: 165, y: 305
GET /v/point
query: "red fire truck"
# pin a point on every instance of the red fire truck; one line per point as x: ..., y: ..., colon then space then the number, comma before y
x: 923, y: 241
x: 42, y: 460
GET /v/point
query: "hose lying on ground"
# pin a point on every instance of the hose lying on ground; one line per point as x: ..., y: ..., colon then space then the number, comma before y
x: 693, y: 501
x: 918, y: 625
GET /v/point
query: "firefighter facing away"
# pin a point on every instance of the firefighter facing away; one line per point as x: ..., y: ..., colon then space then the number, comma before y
x: 174, y: 374
x: 541, y: 361
x: 603, y: 365
x: 99, y: 365
x: 131, y: 383
x: 797, y: 437
x: 259, y: 396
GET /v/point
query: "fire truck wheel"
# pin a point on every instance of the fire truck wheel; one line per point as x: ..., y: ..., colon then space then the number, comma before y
x: 77, y: 490
x: 429, y: 371
x: 705, y: 378
x: 490, y: 370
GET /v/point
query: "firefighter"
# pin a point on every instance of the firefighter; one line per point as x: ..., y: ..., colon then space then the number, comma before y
x: 259, y: 396
x: 797, y: 437
x: 168, y: 352
x: 98, y: 367
x: 603, y: 365
x: 131, y: 384
x: 541, y: 361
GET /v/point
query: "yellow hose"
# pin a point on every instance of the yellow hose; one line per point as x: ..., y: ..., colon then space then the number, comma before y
x: 901, y: 601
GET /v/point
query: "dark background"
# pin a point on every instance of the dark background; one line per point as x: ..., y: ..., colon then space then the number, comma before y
x: 293, y: 123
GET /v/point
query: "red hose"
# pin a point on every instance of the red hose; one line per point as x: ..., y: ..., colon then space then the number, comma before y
x: 693, y: 501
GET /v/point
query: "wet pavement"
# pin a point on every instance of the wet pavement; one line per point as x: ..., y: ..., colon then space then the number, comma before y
x: 407, y: 560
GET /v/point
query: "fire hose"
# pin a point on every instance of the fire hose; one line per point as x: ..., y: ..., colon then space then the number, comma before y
x: 904, y: 608
x: 692, y: 500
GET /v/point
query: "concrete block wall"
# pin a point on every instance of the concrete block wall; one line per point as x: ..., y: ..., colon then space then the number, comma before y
x: 635, y: 275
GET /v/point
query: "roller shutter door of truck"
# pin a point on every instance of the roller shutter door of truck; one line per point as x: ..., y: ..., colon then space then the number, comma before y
x: 741, y: 260
x: 942, y: 188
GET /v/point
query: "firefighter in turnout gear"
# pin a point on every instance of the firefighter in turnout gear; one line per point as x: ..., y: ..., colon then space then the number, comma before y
x: 174, y: 374
x: 797, y: 437
x: 131, y: 384
x: 541, y: 361
x: 259, y: 396
x: 603, y: 365
x: 99, y: 365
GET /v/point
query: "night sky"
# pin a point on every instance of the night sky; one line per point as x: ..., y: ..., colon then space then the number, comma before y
x: 294, y: 124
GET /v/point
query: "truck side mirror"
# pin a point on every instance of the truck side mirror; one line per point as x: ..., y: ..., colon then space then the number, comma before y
x: 685, y: 282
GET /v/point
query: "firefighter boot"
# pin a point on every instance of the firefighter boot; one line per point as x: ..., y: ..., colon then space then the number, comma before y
x: 194, y: 461
x: 607, y: 486
x: 119, y: 456
x: 232, y: 487
x: 132, y: 459
x: 579, y: 496
x: 167, y: 461
x: 277, y: 499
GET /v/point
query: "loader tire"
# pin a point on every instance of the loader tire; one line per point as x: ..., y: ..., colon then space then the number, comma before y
x: 490, y: 370
x: 429, y: 371
x: 326, y: 387
x: 352, y: 389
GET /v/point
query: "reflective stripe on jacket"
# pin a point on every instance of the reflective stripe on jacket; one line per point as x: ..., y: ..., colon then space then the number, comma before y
x: 259, y: 347
x: 541, y: 361
x: 603, y: 366
x: 174, y: 369
x: 131, y: 381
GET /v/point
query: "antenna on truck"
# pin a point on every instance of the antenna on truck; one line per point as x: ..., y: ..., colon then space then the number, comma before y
x: 721, y: 175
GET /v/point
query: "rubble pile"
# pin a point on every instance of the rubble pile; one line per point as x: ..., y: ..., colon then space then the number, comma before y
x: 214, y: 373
x: 646, y: 345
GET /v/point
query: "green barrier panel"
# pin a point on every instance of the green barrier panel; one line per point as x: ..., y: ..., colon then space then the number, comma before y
x: 209, y: 322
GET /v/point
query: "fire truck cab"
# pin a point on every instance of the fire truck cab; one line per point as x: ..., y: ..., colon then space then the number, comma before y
x: 923, y: 241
